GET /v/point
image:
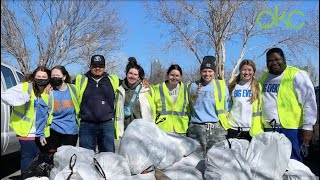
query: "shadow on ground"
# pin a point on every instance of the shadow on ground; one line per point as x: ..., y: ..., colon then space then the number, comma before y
x: 313, y: 159
x: 9, y: 164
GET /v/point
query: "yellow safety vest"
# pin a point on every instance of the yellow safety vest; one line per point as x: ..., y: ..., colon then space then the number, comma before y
x: 50, y: 102
x: 219, y: 89
x: 256, y: 126
x: 171, y: 116
x: 23, y: 117
x: 82, y: 82
x: 289, y: 108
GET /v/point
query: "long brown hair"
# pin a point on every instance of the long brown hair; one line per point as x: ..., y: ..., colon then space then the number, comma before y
x: 254, y: 83
x: 64, y: 72
x: 30, y: 78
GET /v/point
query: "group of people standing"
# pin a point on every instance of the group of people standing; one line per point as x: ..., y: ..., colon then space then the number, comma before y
x: 99, y: 106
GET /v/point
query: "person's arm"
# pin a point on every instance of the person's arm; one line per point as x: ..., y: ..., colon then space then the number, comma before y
x: 14, y: 96
x: 41, y: 120
x: 306, y: 97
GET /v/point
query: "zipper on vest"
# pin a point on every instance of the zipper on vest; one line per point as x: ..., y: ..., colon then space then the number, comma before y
x: 97, y: 85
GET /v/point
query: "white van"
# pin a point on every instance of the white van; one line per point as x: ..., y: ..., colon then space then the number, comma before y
x: 9, y: 141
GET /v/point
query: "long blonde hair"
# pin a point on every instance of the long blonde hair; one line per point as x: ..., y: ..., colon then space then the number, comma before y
x: 254, y: 83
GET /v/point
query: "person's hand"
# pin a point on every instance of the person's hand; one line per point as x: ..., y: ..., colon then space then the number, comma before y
x: 306, y: 136
x: 48, y: 89
x: 145, y: 83
x: 43, y: 141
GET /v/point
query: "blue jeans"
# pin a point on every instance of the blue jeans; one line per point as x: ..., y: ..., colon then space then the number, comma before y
x: 29, y: 151
x: 294, y: 135
x: 101, y: 134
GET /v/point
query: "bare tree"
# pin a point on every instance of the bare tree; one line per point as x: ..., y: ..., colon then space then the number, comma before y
x: 203, y: 26
x: 36, y: 32
x: 158, y: 72
x: 312, y: 71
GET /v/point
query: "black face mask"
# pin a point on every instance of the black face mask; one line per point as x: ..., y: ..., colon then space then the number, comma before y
x: 41, y: 82
x: 56, y: 81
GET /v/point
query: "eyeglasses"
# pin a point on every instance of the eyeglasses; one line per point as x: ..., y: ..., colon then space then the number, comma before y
x: 97, y: 66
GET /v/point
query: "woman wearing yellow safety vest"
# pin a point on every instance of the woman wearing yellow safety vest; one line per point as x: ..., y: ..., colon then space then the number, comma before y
x: 208, y: 103
x: 171, y: 101
x: 24, y: 97
x: 244, y: 103
x: 133, y: 100
x: 59, y: 112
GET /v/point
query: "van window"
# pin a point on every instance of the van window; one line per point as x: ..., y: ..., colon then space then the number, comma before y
x: 21, y: 77
x: 8, y: 77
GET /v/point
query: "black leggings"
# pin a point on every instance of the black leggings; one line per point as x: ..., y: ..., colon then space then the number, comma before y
x: 56, y: 140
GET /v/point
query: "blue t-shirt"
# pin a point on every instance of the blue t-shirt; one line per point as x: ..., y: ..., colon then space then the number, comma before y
x: 64, y: 115
x: 204, y: 107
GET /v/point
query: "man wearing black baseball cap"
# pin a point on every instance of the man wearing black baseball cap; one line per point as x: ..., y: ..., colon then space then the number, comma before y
x: 96, y: 98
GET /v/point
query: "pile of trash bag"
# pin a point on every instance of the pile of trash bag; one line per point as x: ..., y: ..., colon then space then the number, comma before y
x: 148, y: 153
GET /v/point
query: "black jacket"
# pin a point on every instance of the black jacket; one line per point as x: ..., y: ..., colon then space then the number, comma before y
x: 98, y: 100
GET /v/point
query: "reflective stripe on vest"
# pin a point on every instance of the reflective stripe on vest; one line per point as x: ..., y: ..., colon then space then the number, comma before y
x: 257, y: 112
x: 163, y: 103
x: 26, y: 106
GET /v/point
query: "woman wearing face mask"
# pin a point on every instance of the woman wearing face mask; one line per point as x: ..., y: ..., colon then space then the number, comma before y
x: 59, y: 112
x: 171, y: 101
x: 208, y: 105
x: 24, y: 98
x: 133, y: 100
x: 244, y: 103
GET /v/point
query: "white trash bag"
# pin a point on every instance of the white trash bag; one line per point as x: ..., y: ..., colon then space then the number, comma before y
x: 268, y: 155
x: 148, y: 176
x: 177, y: 146
x: 298, y: 171
x: 143, y: 144
x: 193, y: 161
x: 78, y: 170
x: 224, y: 163
x: 113, y: 165
x: 61, y: 158
x: 178, y: 172
x: 239, y: 145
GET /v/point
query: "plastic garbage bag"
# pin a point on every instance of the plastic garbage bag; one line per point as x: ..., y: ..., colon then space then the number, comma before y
x: 268, y: 155
x: 78, y: 170
x: 143, y: 144
x: 40, y: 166
x: 223, y: 163
x: 148, y: 176
x: 63, y: 155
x: 239, y: 145
x: 177, y: 147
x: 113, y: 165
x: 178, y: 172
x: 184, y: 144
x: 193, y: 161
x: 298, y: 171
